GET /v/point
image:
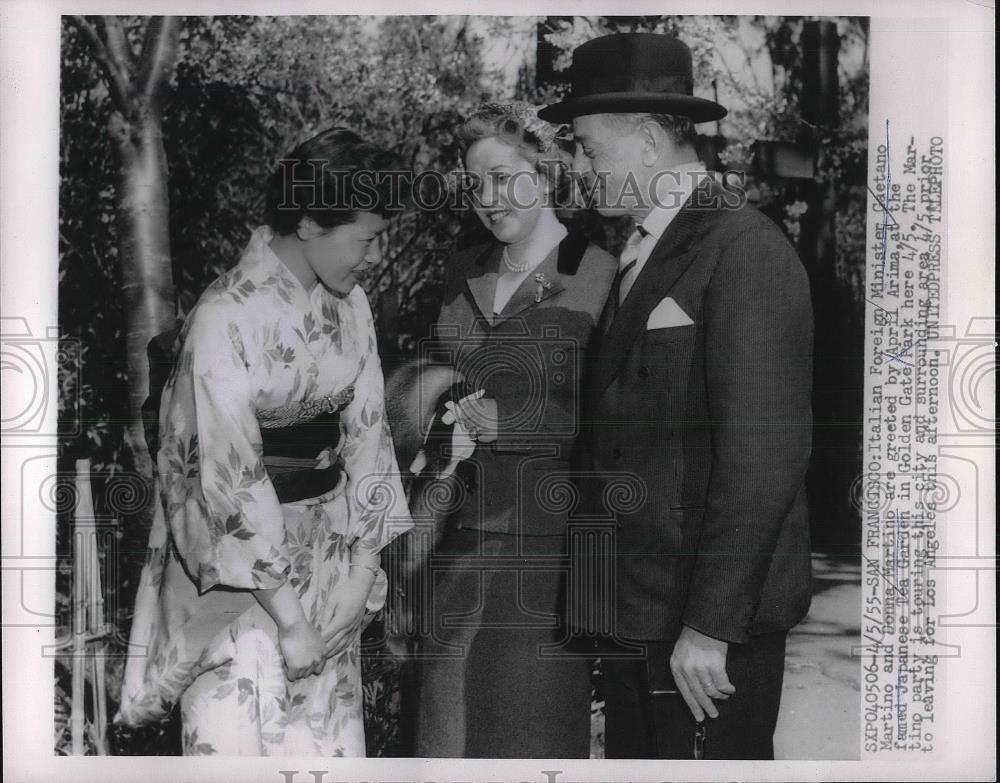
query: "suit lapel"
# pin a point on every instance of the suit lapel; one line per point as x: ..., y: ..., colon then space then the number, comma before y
x: 667, y: 263
x: 532, y: 292
x: 483, y: 287
x: 562, y: 261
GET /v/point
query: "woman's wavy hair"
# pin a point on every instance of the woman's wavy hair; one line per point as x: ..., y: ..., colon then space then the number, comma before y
x: 537, y: 141
x: 331, y: 178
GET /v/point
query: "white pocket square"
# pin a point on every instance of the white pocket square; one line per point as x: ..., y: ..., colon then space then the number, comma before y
x: 666, y: 314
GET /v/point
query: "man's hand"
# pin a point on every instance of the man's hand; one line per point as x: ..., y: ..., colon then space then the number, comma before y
x: 699, y: 668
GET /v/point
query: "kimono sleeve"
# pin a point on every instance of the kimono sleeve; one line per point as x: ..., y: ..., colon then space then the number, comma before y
x: 375, y: 497
x: 222, y: 510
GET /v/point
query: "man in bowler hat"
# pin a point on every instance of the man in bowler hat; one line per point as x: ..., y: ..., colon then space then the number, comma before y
x: 700, y: 388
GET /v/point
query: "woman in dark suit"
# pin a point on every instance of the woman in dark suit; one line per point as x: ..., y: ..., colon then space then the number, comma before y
x: 496, y: 677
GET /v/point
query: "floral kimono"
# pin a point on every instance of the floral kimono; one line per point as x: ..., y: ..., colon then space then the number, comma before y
x: 260, y: 351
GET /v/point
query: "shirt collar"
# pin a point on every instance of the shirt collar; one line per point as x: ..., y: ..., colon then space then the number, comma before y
x: 674, y: 187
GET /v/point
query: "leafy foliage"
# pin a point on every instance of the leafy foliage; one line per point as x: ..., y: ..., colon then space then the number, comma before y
x: 247, y: 89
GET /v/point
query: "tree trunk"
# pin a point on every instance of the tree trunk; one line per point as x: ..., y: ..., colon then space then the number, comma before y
x: 136, y: 83
x: 144, y: 254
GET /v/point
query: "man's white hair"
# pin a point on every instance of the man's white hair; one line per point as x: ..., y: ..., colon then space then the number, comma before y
x: 680, y: 129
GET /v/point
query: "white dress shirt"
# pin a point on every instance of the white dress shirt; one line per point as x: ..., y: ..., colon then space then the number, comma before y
x: 673, y: 190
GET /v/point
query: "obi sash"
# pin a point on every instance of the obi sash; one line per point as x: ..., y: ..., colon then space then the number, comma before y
x: 293, y: 435
x: 299, y: 446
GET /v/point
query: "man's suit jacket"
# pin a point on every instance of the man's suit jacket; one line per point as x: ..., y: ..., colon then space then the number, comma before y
x: 712, y: 415
x: 529, y: 358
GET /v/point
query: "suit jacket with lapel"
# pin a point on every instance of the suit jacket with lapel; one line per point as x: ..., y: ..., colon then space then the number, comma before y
x: 529, y: 358
x: 712, y: 420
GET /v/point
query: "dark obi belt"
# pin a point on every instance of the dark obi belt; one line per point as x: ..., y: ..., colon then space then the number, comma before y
x: 291, y: 456
x: 293, y: 436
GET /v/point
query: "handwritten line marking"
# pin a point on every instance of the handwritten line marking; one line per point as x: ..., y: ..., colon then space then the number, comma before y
x: 877, y: 306
x: 906, y: 349
x: 886, y: 212
x: 895, y: 358
x: 884, y: 578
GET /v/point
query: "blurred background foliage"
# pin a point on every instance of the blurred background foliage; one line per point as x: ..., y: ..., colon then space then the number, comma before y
x: 247, y: 89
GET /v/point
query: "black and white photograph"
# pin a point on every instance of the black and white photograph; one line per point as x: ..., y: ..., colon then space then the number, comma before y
x: 509, y: 387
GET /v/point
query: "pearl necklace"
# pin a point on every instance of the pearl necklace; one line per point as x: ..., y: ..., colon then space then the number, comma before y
x: 516, y: 268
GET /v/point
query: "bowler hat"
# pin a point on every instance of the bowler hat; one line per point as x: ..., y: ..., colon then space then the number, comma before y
x: 632, y: 72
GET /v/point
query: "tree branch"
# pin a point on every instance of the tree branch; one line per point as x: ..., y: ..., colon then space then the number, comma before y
x: 116, y: 85
x: 395, y: 257
x: 159, y: 52
x: 415, y: 29
x: 118, y: 44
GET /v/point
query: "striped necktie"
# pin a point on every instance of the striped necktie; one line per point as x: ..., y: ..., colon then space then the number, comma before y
x: 627, y: 263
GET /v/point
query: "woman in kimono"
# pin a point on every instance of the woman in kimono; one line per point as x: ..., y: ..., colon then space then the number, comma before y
x: 277, y: 484
x: 497, y: 676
